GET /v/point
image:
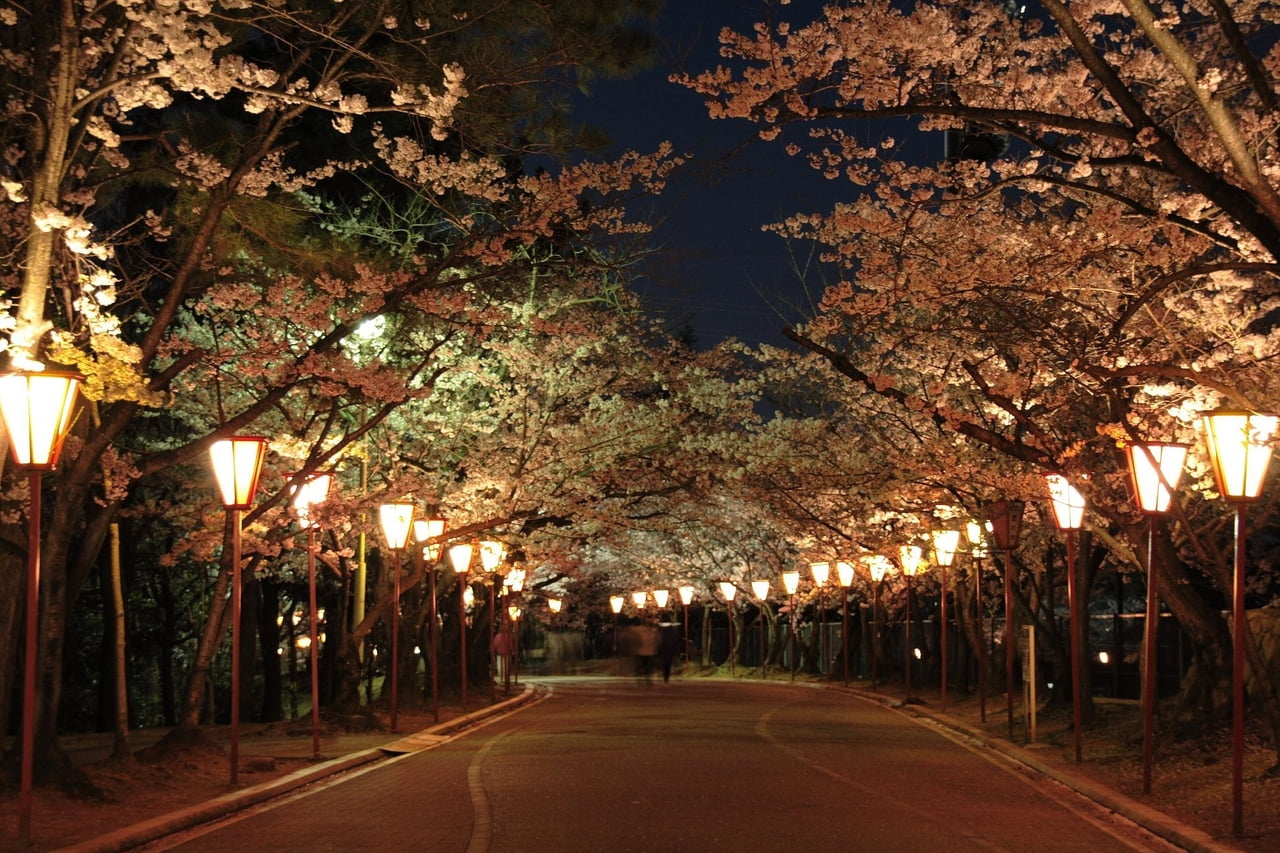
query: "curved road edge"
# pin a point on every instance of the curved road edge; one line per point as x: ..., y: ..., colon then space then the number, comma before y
x: 147, y: 831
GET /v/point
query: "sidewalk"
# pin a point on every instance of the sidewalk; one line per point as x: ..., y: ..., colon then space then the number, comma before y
x: 352, y: 751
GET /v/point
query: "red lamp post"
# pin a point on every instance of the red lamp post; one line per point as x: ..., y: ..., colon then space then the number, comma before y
x: 686, y: 598
x: 36, y: 407
x: 761, y: 590
x: 821, y: 574
x: 313, y: 489
x: 729, y: 591
x: 1154, y: 471
x: 911, y: 561
x: 977, y: 550
x: 844, y: 573
x: 237, y: 462
x: 460, y: 560
x: 397, y: 522
x: 430, y: 530
x: 1240, y: 449
x: 1068, y: 516
x: 945, y: 544
x: 878, y: 566
x: 492, y: 553
x: 1004, y: 520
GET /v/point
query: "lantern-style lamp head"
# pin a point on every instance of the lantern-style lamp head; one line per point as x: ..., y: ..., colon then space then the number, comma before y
x: 425, y: 530
x: 615, y: 604
x: 513, y: 611
x: 1240, y: 451
x: 397, y: 521
x: 911, y: 558
x: 844, y: 573
x: 237, y: 462
x: 554, y: 604
x: 946, y: 542
x: 821, y: 573
x: 791, y: 582
x: 1066, y: 501
x: 37, y: 407
x: 638, y: 598
x: 460, y: 556
x: 878, y: 566
x: 973, y: 531
x: 314, y: 489
x: 1154, y: 471
x: 728, y: 590
x: 686, y: 595
x: 491, y: 554
x: 1004, y: 522
x: 661, y: 597
x: 760, y: 589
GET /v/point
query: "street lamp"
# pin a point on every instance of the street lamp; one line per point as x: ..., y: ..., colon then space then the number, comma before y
x: 1068, y: 516
x: 821, y: 573
x: 237, y: 462
x: 660, y: 598
x: 615, y: 604
x: 314, y: 489
x: 761, y: 591
x: 945, y: 544
x: 1240, y: 450
x: 977, y: 550
x: 1154, y: 471
x: 397, y: 522
x: 554, y: 604
x: 911, y: 559
x: 460, y: 560
x: 729, y: 591
x: 844, y: 574
x: 638, y: 598
x: 791, y: 583
x: 492, y: 553
x: 36, y: 407
x: 877, y: 566
x: 686, y: 598
x: 1004, y: 520
x: 430, y: 530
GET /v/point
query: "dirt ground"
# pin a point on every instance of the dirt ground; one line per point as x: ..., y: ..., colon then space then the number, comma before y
x: 1191, y: 775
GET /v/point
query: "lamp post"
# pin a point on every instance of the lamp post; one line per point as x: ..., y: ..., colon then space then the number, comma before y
x: 492, y: 553
x: 313, y: 489
x: 821, y: 574
x: 1068, y: 517
x: 729, y: 591
x: 791, y: 583
x: 397, y: 521
x: 460, y: 559
x: 686, y: 598
x: 1154, y: 471
x: 615, y: 604
x: 36, y: 407
x: 878, y: 567
x: 1004, y: 520
x: 911, y: 560
x: 237, y: 462
x: 430, y: 530
x: 977, y: 550
x: 761, y: 591
x: 844, y: 574
x: 1240, y: 450
x: 945, y: 544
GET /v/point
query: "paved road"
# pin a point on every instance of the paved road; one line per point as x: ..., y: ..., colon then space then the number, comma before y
x: 610, y: 765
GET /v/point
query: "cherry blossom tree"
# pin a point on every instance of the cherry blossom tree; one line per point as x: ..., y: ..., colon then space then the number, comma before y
x: 1099, y: 270
x: 205, y: 200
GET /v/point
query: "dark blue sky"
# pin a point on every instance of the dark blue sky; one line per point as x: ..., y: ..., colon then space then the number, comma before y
x: 716, y: 268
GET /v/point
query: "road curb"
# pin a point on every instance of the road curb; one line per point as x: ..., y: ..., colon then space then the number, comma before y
x: 144, y: 832
x: 1154, y: 821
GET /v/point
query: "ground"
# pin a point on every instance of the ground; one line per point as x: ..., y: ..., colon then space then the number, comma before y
x: 1191, y: 775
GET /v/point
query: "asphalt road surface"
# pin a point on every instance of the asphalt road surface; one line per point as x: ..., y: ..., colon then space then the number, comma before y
x: 614, y: 765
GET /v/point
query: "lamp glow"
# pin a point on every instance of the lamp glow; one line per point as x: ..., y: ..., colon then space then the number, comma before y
x: 237, y: 462
x: 790, y: 582
x: 1154, y: 471
x: 397, y: 521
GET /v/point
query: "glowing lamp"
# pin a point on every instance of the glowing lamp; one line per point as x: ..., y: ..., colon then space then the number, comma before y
x: 37, y: 407
x: 237, y: 462
x: 1240, y: 450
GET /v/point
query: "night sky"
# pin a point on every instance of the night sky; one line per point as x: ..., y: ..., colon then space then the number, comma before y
x: 716, y: 270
